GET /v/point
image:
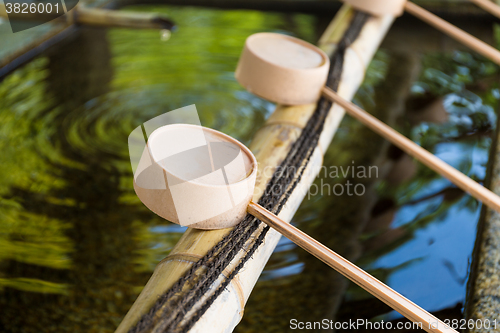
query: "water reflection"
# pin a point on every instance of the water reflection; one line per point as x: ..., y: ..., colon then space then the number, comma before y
x: 76, y: 245
x: 429, y: 232
x: 436, y: 222
x: 412, y: 229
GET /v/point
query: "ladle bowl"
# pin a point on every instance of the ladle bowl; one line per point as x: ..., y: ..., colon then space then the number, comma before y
x: 282, y: 69
x: 196, y: 176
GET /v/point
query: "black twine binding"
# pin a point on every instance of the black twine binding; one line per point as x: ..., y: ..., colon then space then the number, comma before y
x: 168, y: 314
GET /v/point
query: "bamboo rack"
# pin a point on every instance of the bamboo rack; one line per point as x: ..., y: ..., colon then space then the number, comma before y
x: 270, y: 145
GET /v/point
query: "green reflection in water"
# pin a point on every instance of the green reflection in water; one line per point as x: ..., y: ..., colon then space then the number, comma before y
x: 76, y: 245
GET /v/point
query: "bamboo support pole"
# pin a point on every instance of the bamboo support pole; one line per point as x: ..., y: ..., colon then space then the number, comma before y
x: 270, y: 146
x: 488, y: 6
x: 478, y: 191
x: 99, y: 17
x: 454, y: 32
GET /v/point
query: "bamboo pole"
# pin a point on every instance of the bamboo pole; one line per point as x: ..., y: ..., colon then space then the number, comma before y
x: 478, y: 191
x: 270, y: 146
x: 454, y: 32
x: 488, y: 6
x: 98, y: 17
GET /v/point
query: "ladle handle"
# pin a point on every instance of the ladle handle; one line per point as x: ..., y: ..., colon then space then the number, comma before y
x: 478, y: 191
x: 454, y: 32
x: 488, y: 6
x: 387, y: 295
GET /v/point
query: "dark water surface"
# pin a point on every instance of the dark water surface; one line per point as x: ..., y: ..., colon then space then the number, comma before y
x: 76, y: 244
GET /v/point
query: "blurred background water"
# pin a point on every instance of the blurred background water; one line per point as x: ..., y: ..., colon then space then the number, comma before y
x: 76, y: 244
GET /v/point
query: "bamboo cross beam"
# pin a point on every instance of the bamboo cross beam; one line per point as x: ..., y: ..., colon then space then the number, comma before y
x: 488, y: 6
x: 454, y: 32
x: 478, y: 191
